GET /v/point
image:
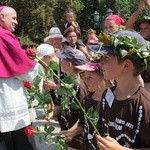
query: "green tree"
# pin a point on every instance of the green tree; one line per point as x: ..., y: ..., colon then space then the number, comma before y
x: 123, y: 8
x: 36, y: 17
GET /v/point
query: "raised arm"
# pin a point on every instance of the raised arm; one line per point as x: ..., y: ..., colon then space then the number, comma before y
x: 134, y: 17
x: 147, y: 3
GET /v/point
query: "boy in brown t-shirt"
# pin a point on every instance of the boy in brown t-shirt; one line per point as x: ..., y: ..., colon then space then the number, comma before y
x: 69, y: 59
x: 124, y: 121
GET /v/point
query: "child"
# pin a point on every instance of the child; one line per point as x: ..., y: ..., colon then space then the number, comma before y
x: 46, y: 53
x: 92, y: 38
x: 124, y: 114
x: 94, y: 79
x: 70, y: 24
x: 69, y: 59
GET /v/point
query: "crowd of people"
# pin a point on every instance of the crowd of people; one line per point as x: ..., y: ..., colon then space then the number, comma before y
x: 113, y: 75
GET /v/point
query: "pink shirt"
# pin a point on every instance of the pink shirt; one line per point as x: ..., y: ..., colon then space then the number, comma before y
x: 92, y: 39
x: 13, y: 59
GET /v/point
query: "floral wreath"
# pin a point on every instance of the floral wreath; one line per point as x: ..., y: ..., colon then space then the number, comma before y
x: 127, y: 47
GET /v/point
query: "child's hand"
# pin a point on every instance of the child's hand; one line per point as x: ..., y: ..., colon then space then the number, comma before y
x: 68, y: 134
x: 147, y: 2
x: 73, y: 24
x: 71, y: 28
x: 50, y: 116
x: 141, y: 6
x: 50, y: 85
x: 108, y: 143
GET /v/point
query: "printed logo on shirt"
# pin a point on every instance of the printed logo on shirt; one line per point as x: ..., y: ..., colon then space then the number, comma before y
x: 125, y: 129
x: 109, y: 97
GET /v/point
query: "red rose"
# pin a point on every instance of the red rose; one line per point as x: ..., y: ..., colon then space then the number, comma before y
x: 29, y: 131
x: 31, y: 52
x: 27, y: 84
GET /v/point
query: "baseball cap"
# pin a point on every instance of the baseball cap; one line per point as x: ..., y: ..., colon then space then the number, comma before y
x: 132, y: 34
x: 88, y: 67
x: 54, y: 32
x: 101, y: 49
x: 44, y: 49
x: 76, y: 56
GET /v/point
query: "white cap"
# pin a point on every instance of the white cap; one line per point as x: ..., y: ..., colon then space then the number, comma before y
x: 44, y: 49
x: 54, y: 32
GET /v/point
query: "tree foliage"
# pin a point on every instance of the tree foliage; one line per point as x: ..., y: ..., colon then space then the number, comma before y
x: 36, y: 17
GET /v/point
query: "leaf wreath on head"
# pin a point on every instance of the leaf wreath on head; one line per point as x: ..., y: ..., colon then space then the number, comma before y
x: 106, y: 38
x: 127, y: 47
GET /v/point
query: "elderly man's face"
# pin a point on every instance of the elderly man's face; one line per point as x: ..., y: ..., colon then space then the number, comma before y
x: 56, y: 42
x: 145, y: 30
x: 9, y: 19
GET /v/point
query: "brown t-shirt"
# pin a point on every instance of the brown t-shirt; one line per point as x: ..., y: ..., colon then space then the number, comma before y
x: 71, y: 116
x: 89, y: 140
x: 128, y: 121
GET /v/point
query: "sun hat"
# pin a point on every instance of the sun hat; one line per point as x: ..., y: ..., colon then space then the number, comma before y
x: 88, y: 67
x: 76, y: 56
x: 54, y: 32
x: 44, y: 49
x: 144, y: 19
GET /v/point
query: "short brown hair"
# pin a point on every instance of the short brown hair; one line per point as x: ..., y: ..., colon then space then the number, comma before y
x: 137, y: 63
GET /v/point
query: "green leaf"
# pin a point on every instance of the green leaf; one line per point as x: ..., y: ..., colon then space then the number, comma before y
x: 144, y: 54
x: 50, y: 129
x: 146, y: 63
x: 59, y: 147
x: 45, y: 127
x: 50, y: 141
x: 65, y: 102
x: 67, y: 86
x: 123, y: 53
x: 53, y: 65
x: 41, y: 71
x: 74, y: 105
x: 37, y: 81
x: 69, y: 80
x: 93, y: 115
x: 60, y: 91
x: 61, y: 143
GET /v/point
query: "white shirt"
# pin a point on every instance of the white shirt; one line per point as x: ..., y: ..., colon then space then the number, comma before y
x: 14, y: 113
